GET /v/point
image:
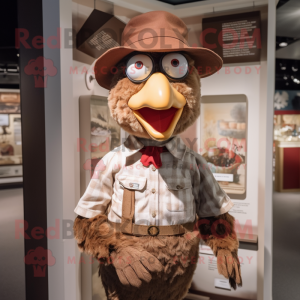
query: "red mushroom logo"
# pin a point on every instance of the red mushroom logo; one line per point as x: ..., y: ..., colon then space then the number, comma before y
x: 39, y: 259
x: 40, y: 68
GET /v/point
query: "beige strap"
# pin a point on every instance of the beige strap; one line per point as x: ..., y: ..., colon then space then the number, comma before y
x: 141, y: 230
x: 162, y: 230
x: 127, y: 211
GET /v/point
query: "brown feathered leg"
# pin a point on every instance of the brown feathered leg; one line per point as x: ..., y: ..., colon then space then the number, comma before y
x: 219, y: 234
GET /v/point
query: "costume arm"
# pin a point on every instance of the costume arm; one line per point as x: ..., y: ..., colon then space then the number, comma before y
x: 133, y: 264
x: 91, y: 229
x: 219, y: 234
x: 216, y: 225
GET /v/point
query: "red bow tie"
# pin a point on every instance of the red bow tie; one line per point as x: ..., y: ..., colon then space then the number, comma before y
x: 151, y: 155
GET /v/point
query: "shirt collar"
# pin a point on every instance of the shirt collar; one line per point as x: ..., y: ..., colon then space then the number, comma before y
x: 175, y: 145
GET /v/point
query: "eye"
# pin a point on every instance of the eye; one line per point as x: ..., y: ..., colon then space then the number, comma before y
x: 175, y: 65
x: 139, y: 67
x: 175, y: 62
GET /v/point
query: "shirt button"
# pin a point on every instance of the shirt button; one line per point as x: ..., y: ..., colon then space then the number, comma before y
x: 130, y: 184
x: 153, y: 214
x: 153, y: 191
x: 153, y: 168
x: 179, y: 187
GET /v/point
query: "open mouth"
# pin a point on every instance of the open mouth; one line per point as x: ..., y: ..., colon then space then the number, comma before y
x: 159, y: 123
x: 158, y: 107
x: 160, y: 120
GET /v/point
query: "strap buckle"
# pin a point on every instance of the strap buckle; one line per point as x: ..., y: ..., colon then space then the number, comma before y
x: 153, y: 230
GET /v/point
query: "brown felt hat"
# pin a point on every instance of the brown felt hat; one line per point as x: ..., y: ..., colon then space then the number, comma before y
x: 155, y: 31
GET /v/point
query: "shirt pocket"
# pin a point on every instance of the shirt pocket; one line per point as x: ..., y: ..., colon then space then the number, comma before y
x: 179, y: 194
x: 134, y: 183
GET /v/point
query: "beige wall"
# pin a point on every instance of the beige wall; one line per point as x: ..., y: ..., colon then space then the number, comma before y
x: 12, y: 271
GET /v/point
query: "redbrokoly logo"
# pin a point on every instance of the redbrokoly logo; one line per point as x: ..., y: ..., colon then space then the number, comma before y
x: 40, y: 68
x: 39, y: 258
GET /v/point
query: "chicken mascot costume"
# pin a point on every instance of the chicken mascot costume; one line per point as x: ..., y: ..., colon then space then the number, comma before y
x: 151, y: 200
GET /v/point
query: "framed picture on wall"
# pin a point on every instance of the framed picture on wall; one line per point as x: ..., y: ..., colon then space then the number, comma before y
x: 224, y: 141
x: 9, y: 103
x: 99, y: 134
x: 105, y: 132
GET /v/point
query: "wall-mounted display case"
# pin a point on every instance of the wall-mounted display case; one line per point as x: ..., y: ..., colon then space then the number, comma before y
x: 10, y: 139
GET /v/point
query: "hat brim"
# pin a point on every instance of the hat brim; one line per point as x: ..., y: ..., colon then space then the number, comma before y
x: 207, y: 62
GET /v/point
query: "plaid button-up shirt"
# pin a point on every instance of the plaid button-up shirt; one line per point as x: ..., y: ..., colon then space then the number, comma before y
x: 173, y: 194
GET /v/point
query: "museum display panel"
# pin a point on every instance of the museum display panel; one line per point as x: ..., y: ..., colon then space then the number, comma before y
x: 10, y: 138
x: 224, y: 142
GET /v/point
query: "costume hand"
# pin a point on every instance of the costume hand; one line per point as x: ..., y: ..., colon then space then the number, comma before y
x: 134, y: 265
x: 229, y: 266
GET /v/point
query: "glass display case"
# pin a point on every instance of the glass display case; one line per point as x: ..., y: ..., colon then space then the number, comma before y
x: 10, y: 139
x: 287, y: 151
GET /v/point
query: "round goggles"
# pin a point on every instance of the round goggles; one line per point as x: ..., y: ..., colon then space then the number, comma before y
x: 141, y: 66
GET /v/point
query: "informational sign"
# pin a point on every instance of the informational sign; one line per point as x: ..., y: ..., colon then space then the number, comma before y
x: 4, y: 120
x: 223, y: 177
x: 236, y: 38
x: 222, y: 284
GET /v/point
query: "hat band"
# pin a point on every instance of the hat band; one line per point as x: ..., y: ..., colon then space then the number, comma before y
x: 158, y: 42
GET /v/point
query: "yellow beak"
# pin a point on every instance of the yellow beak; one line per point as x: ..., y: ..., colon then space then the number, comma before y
x: 158, y: 94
